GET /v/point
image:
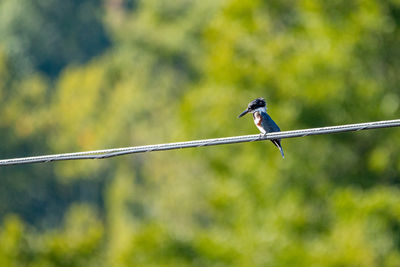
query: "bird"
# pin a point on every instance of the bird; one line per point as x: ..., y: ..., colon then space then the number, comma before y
x: 262, y: 120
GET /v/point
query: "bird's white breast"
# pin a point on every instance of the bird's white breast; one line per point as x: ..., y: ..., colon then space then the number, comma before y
x: 257, y: 121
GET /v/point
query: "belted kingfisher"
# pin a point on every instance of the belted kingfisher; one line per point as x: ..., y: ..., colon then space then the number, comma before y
x: 262, y: 120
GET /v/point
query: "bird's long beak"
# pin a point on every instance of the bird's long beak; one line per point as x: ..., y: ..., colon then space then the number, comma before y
x: 243, y: 113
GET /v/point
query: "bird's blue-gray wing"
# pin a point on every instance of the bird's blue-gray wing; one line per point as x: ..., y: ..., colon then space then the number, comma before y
x: 268, y: 124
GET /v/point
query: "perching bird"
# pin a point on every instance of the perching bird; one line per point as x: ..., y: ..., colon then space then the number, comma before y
x: 262, y: 120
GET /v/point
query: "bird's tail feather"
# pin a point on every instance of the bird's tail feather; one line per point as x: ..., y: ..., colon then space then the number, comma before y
x: 281, y: 150
x: 278, y: 145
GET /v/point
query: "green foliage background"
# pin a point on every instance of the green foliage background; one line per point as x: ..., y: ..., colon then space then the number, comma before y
x: 80, y: 75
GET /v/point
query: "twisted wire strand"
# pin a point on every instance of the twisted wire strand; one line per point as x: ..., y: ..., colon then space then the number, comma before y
x: 114, y: 152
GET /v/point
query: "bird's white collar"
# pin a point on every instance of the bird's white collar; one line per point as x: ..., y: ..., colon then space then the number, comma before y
x: 261, y: 109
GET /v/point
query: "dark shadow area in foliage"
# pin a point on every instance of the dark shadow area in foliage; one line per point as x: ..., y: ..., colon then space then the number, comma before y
x: 52, y: 34
x: 42, y: 200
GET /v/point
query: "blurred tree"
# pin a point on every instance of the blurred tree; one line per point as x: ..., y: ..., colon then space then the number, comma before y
x: 32, y: 191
